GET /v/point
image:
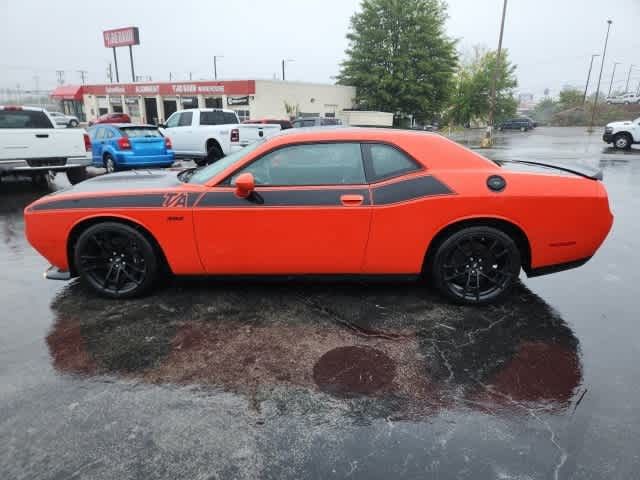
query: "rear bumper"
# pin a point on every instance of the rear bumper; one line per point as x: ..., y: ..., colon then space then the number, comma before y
x: 559, y: 267
x: 24, y: 167
x: 128, y: 159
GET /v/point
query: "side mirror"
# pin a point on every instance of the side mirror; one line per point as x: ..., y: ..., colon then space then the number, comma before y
x: 245, y: 184
x: 162, y: 125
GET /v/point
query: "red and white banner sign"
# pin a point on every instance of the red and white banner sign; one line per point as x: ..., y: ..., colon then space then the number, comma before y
x: 183, y: 89
x: 121, y: 37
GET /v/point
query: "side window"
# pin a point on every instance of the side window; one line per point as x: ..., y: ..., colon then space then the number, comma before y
x: 185, y: 119
x: 100, y: 134
x: 388, y: 162
x: 109, y: 134
x: 308, y: 123
x: 173, y: 120
x: 313, y: 164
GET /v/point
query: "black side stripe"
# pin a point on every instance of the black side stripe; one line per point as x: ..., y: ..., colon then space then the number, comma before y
x: 411, y: 189
x: 148, y: 200
x: 282, y: 198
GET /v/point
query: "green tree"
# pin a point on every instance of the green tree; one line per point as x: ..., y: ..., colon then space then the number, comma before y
x: 399, y: 58
x: 471, y: 98
x: 544, y: 110
x: 570, y: 98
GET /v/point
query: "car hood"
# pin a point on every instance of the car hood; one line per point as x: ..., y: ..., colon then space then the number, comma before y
x: 131, y: 180
x: 624, y: 123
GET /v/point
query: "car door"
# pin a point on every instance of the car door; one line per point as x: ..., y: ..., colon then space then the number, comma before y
x: 177, y: 129
x: 309, y: 214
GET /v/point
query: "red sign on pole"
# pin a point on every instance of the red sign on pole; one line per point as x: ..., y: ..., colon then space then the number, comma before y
x: 121, y: 37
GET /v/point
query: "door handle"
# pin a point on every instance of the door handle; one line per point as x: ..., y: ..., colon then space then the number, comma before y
x: 42, y: 135
x: 351, y: 200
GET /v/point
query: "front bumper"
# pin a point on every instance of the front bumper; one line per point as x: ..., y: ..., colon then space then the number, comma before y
x: 607, y: 137
x: 23, y: 165
x: 54, y: 273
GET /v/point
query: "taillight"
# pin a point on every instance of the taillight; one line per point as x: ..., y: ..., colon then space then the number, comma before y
x: 235, y: 135
x: 87, y: 142
x: 167, y: 143
x: 124, y: 143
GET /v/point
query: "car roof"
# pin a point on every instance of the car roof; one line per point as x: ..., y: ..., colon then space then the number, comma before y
x: 124, y: 125
x: 20, y: 107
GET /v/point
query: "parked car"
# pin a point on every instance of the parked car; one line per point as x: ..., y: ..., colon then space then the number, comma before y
x: 112, y: 118
x: 64, y: 120
x: 352, y: 201
x: 316, y: 122
x: 622, y: 134
x: 284, y: 124
x: 30, y: 144
x: 121, y: 146
x: 208, y: 134
x: 627, y: 99
x: 522, y: 124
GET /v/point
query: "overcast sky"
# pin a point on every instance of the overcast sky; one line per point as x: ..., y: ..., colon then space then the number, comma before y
x: 551, y: 41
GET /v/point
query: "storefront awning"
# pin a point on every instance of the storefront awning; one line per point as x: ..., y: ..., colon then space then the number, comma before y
x: 68, y: 92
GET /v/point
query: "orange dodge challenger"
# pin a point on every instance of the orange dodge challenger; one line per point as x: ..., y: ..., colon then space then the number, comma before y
x: 327, y: 202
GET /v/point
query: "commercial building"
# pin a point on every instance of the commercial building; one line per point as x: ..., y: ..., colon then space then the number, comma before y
x: 154, y: 102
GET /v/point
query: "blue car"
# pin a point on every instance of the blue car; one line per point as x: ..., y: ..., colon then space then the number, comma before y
x: 125, y: 145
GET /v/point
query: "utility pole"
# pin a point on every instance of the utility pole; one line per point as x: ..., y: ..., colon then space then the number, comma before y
x: 109, y: 73
x: 60, y: 77
x: 83, y: 75
x: 190, y: 76
x: 170, y: 77
x: 604, y: 54
x: 626, y: 89
x: 283, y: 63
x: 115, y: 63
x: 215, y: 66
x: 133, y: 72
x: 492, y: 99
x: 615, y: 64
x: 584, y: 98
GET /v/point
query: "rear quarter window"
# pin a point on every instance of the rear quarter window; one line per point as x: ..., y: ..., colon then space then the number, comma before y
x: 24, y: 119
x: 386, y: 162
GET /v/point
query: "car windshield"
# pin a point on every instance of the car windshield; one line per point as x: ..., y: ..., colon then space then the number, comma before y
x: 204, y: 174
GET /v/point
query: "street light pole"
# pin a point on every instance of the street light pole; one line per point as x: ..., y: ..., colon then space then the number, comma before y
x: 615, y: 64
x: 492, y: 104
x: 283, y: 62
x: 584, y: 98
x: 626, y: 89
x: 215, y: 66
x: 604, y: 54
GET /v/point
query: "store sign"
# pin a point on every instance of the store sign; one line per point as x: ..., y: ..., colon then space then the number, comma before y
x: 115, y: 90
x: 238, y: 100
x: 148, y: 89
x: 115, y: 100
x: 130, y: 100
x: 121, y: 37
x: 207, y: 88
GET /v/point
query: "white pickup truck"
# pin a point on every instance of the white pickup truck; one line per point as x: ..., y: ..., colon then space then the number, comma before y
x: 208, y: 134
x: 622, y: 134
x: 30, y: 144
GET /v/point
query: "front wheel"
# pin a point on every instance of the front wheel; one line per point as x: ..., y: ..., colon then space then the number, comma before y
x: 476, y: 265
x: 73, y: 123
x: 116, y: 260
x: 622, y: 141
x: 76, y: 175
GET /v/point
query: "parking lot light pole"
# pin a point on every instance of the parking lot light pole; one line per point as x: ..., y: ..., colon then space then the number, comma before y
x: 615, y: 64
x: 215, y: 66
x: 626, y: 89
x: 584, y: 98
x: 604, y: 54
x: 283, y: 62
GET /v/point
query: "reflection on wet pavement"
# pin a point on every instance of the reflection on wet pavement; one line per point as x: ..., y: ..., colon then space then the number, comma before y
x: 417, y: 355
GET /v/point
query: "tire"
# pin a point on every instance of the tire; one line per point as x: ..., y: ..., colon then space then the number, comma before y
x: 523, y: 129
x: 73, y: 124
x: 76, y: 175
x: 110, y: 164
x: 116, y: 260
x: 622, y: 141
x: 483, y: 256
x: 40, y: 180
x: 214, y: 153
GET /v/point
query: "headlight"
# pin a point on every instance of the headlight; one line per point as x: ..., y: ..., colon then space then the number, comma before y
x: 608, y: 129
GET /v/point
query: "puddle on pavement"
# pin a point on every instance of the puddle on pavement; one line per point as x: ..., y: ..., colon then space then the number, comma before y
x: 396, y: 347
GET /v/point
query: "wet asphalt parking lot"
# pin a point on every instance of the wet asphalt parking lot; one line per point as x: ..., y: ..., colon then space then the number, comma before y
x: 212, y: 379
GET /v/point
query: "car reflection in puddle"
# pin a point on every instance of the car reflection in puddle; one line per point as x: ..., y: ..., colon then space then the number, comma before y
x: 385, y: 351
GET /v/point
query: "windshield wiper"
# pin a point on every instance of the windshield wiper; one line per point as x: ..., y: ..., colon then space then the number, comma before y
x: 185, y: 175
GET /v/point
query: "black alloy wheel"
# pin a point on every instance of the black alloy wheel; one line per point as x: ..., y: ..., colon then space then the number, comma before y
x: 116, y: 260
x: 476, y: 265
x: 214, y: 153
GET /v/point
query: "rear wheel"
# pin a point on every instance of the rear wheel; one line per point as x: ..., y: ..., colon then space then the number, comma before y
x: 116, y: 260
x: 476, y: 265
x: 214, y: 153
x: 109, y: 163
x: 76, y: 175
